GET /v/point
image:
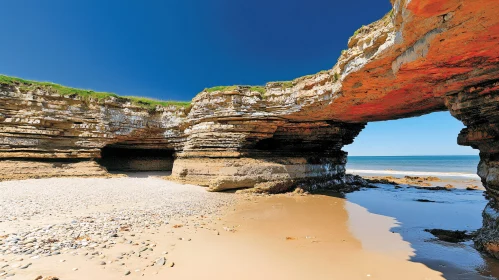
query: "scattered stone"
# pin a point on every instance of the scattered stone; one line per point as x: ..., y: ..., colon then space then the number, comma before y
x: 15, y: 265
x: 453, y: 236
x: 161, y: 261
x: 449, y: 186
x: 170, y: 264
x: 424, y: 200
x: 102, y: 263
x: 86, y: 235
x: 25, y: 266
x: 127, y: 272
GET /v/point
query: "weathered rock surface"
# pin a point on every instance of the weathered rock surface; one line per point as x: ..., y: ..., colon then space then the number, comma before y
x: 235, y: 139
x: 22, y: 169
x: 423, y: 56
x: 477, y: 107
x: 46, y: 134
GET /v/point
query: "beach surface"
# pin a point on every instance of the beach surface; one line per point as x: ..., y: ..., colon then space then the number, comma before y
x: 144, y: 227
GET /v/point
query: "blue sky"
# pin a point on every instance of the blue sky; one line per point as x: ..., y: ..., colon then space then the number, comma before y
x: 432, y: 134
x: 173, y: 49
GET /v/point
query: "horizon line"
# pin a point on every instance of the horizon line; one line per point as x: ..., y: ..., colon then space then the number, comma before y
x: 407, y: 155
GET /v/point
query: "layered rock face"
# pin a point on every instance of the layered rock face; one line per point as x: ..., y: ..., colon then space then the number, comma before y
x: 45, y: 134
x: 477, y: 107
x: 235, y: 140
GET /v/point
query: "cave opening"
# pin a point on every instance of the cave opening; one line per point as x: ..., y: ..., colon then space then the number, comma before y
x: 420, y: 146
x: 132, y: 158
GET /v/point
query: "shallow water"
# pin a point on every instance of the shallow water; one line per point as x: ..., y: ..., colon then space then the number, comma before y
x: 454, y: 210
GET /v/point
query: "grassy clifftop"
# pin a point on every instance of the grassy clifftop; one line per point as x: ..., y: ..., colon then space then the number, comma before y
x: 26, y: 85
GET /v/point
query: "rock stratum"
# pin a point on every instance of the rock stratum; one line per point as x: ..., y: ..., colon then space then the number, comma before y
x: 423, y: 56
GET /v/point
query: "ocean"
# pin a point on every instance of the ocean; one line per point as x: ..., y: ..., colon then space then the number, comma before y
x: 439, y: 166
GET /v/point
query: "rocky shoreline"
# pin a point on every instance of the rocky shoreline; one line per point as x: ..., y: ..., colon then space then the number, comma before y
x: 428, y: 182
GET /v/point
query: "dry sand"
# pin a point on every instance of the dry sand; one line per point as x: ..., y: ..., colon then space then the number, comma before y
x: 130, y: 224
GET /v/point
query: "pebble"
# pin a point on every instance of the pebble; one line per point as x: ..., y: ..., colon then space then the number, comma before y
x: 75, y: 269
x: 15, y: 265
x: 82, y: 235
x: 161, y: 261
x: 25, y: 266
x: 127, y: 272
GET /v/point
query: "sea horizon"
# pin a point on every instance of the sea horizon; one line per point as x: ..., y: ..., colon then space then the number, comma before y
x: 420, y: 156
x: 430, y: 165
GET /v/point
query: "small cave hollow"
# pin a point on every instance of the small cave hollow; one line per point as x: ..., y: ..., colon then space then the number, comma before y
x: 136, y: 159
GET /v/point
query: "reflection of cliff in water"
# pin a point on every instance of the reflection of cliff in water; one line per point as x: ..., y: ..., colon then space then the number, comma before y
x: 454, y: 210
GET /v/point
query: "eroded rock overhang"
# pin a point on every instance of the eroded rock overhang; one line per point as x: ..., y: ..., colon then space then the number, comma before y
x: 411, y: 62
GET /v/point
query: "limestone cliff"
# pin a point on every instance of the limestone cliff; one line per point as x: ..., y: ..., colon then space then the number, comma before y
x: 55, y: 132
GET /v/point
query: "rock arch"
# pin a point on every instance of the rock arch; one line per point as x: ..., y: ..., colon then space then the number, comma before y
x: 423, y: 56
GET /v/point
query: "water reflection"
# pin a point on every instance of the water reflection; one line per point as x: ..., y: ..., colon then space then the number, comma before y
x: 455, y: 210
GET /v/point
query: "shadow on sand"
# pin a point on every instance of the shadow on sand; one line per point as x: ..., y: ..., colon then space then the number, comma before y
x: 145, y: 174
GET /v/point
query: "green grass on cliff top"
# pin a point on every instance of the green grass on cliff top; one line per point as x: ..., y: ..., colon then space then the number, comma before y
x: 259, y: 89
x: 149, y: 103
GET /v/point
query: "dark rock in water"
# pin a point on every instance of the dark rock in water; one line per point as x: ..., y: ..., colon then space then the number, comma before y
x: 424, y: 200
x: 381, y: 181
x: 433, y: 188
x: 453, y: 236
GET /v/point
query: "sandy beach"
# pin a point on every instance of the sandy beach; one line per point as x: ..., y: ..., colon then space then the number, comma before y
x: 144, y: 227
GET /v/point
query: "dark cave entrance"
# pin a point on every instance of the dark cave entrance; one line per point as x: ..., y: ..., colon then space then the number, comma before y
x: 136, y: 159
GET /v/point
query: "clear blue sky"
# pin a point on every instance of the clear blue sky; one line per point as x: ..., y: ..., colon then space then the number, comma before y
x: 432, y: 134
x: 172, y: 49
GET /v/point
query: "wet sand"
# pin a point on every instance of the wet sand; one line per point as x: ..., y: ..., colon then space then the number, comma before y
x: 430, y: 181
x: 457, y: 209
x: 370, y: 234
